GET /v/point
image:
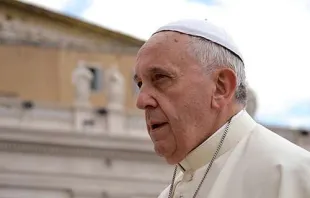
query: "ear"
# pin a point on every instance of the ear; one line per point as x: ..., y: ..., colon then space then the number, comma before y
x: 225, y: 81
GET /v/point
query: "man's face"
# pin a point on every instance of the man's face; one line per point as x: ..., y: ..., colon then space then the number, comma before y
x: 175, y: 94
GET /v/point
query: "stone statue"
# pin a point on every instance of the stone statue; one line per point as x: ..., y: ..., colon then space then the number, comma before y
x: 115, y: 88
x: 82, y: 78
x: 251, y: 102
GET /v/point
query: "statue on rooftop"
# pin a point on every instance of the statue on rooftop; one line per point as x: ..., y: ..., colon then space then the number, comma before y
x: 251, y: 106
x: 81, y: 78
x: 115, y: 87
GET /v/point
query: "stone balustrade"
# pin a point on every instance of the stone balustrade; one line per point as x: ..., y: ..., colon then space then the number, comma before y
x: 17, y: 113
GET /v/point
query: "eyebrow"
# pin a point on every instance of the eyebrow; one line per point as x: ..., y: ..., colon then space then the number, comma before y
x: 156, y: 69
x: 135, y: 77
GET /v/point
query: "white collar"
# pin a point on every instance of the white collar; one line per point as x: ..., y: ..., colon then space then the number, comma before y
x: 241, y: 124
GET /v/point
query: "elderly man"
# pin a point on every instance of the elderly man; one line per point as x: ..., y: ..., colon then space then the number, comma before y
x: 192, y: 88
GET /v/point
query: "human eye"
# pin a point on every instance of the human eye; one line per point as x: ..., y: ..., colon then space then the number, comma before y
x: 139, y: 84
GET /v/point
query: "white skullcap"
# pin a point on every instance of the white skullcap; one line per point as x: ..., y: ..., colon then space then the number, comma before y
x: 204, y: 29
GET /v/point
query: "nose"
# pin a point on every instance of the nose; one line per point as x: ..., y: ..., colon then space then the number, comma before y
x: 145, y: 100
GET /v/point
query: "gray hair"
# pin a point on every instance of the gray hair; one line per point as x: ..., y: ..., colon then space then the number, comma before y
x: 212, y: 56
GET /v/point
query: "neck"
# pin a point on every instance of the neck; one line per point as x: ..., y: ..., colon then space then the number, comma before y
x: 221, y: 118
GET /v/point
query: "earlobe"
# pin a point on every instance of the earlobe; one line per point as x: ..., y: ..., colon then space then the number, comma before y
x: 216, y: 97
x: 215, y: 102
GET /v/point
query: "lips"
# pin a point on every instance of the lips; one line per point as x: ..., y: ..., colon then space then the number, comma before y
x: 157, y: 125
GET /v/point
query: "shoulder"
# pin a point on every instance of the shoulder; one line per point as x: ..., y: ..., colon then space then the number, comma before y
x: 275, y: 163
x: 278, y: 150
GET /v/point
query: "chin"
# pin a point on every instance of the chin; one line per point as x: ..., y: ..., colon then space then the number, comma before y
x: 169, y: 158
x: 173, y: 159
x: 176, y: 158
x: 166, y: 152
x: 170, y: 161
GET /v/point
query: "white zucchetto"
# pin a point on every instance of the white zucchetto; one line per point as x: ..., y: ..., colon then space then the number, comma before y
x: 204, y: 29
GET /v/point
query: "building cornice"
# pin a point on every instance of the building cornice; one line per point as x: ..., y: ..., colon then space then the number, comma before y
x: 71, y: 21
x: 76, y: 144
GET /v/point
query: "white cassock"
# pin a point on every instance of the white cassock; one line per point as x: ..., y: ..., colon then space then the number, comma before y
x: 253, y: 162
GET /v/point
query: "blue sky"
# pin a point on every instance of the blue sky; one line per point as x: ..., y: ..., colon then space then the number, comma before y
x: 273, y: 36
x: 76, y: 8
x: 206, y: 2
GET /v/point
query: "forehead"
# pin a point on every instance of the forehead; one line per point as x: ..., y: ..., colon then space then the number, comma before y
x: 163, y: 49
x: 163, y: 42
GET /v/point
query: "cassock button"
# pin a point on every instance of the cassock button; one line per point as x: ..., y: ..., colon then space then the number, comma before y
x: 188, y: 176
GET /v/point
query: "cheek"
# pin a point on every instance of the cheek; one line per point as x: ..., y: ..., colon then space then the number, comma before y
x: 192, y: 111
x: 187, y: 109
x: 193, y: 106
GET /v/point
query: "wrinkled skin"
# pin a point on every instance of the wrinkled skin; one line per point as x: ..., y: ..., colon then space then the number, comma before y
x: 176, y: 93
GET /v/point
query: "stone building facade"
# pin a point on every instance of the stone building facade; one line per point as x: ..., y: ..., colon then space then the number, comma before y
x: 59, y: 139
x: 39, y: 49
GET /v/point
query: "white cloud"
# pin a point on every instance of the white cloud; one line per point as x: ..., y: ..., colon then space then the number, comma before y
x: 296, y: 122
x: 272, y: 34
x: 140, y: 17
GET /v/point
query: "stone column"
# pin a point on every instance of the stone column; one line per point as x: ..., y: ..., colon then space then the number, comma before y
x: 303, y: 139
x: 116, y: 99
x: 251, y: 106
x: 81, y: 78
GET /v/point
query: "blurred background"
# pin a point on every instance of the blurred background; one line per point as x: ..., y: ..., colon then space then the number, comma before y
x: 68, y: 122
